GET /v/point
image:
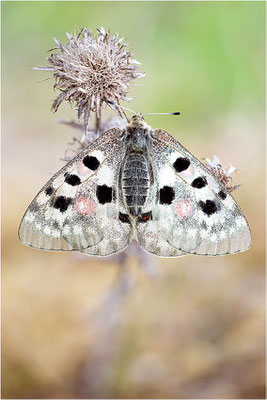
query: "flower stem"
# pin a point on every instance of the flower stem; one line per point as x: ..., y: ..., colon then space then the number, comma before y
x: 97, y: 122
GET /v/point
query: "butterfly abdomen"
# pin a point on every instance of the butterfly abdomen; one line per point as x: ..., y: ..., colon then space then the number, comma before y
x: 135, y: 182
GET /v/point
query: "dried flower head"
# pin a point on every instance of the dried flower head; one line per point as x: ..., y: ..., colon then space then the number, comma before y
x: 216, y: 168
x: 91, y: 70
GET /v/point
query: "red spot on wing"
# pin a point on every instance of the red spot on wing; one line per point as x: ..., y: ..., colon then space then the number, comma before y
x: 82, y: 169
x: 145, y: 217
x: 188, y: 172
x: 183, y: 208
x: 85, y: 205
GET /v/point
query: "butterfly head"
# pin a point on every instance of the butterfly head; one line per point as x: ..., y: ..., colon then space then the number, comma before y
x: 138, y: 120
x: 137, y: 132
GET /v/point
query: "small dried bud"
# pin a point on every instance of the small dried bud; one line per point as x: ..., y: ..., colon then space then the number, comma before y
x: 92, y: 70
x: 216, y: 169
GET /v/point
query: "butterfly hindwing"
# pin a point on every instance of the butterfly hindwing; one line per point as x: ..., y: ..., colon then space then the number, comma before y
x: 148, y: 232
x: 192, y: 212
x: 78, y: 208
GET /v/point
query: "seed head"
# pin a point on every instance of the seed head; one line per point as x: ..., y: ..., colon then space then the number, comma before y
x: 92, y: 70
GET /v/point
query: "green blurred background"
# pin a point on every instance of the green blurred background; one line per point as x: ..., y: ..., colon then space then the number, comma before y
x: 198, y: 332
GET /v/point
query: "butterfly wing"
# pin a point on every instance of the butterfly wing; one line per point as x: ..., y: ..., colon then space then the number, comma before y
x: 193, y: 212
x: 78, y: 209
x: 149, y: 232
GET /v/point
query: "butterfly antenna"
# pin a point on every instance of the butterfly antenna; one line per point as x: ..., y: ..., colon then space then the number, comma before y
x: 128, y: 109
x: 123, y: 108
x: 173, y: 113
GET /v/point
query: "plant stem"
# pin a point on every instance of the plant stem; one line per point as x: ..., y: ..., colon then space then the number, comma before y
x: 97, y: 122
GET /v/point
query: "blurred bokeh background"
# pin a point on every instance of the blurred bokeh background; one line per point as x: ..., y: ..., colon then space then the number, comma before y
x: 197, y: 329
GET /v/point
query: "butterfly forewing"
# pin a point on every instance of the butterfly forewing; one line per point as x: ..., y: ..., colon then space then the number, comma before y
x: 193, y: 211
x: 78, y: 208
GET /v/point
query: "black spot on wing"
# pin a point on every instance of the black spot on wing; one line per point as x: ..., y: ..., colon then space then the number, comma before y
x: 124, y: 218
x: 222, y: 195
x: 199, y: 182
x: 91, y: 162
x: 104, y: 194
x: 73, y: 180
x: 145, y: 217
x: 49, y: 190
x: 181, y: 164
x: 166, y: 195
x: 208, y: 207
x: 62, y: 203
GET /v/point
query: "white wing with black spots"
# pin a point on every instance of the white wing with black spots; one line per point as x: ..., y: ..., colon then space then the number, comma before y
x: 192, y: 212
x: 78, y: 209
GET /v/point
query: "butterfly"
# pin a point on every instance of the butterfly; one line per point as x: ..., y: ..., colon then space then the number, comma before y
x: 135, y: 183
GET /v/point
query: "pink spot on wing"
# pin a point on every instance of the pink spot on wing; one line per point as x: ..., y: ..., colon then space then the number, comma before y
x: 183, y: 208
x: 82, y: 169
x: 85, y: 205
x: 188, y: 172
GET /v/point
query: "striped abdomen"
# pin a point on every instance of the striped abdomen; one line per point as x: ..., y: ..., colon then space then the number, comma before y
x: 135, y: 182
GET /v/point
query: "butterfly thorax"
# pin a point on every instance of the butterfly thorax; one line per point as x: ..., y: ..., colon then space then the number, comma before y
x: 137, y: 133
x: 135, y: 167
